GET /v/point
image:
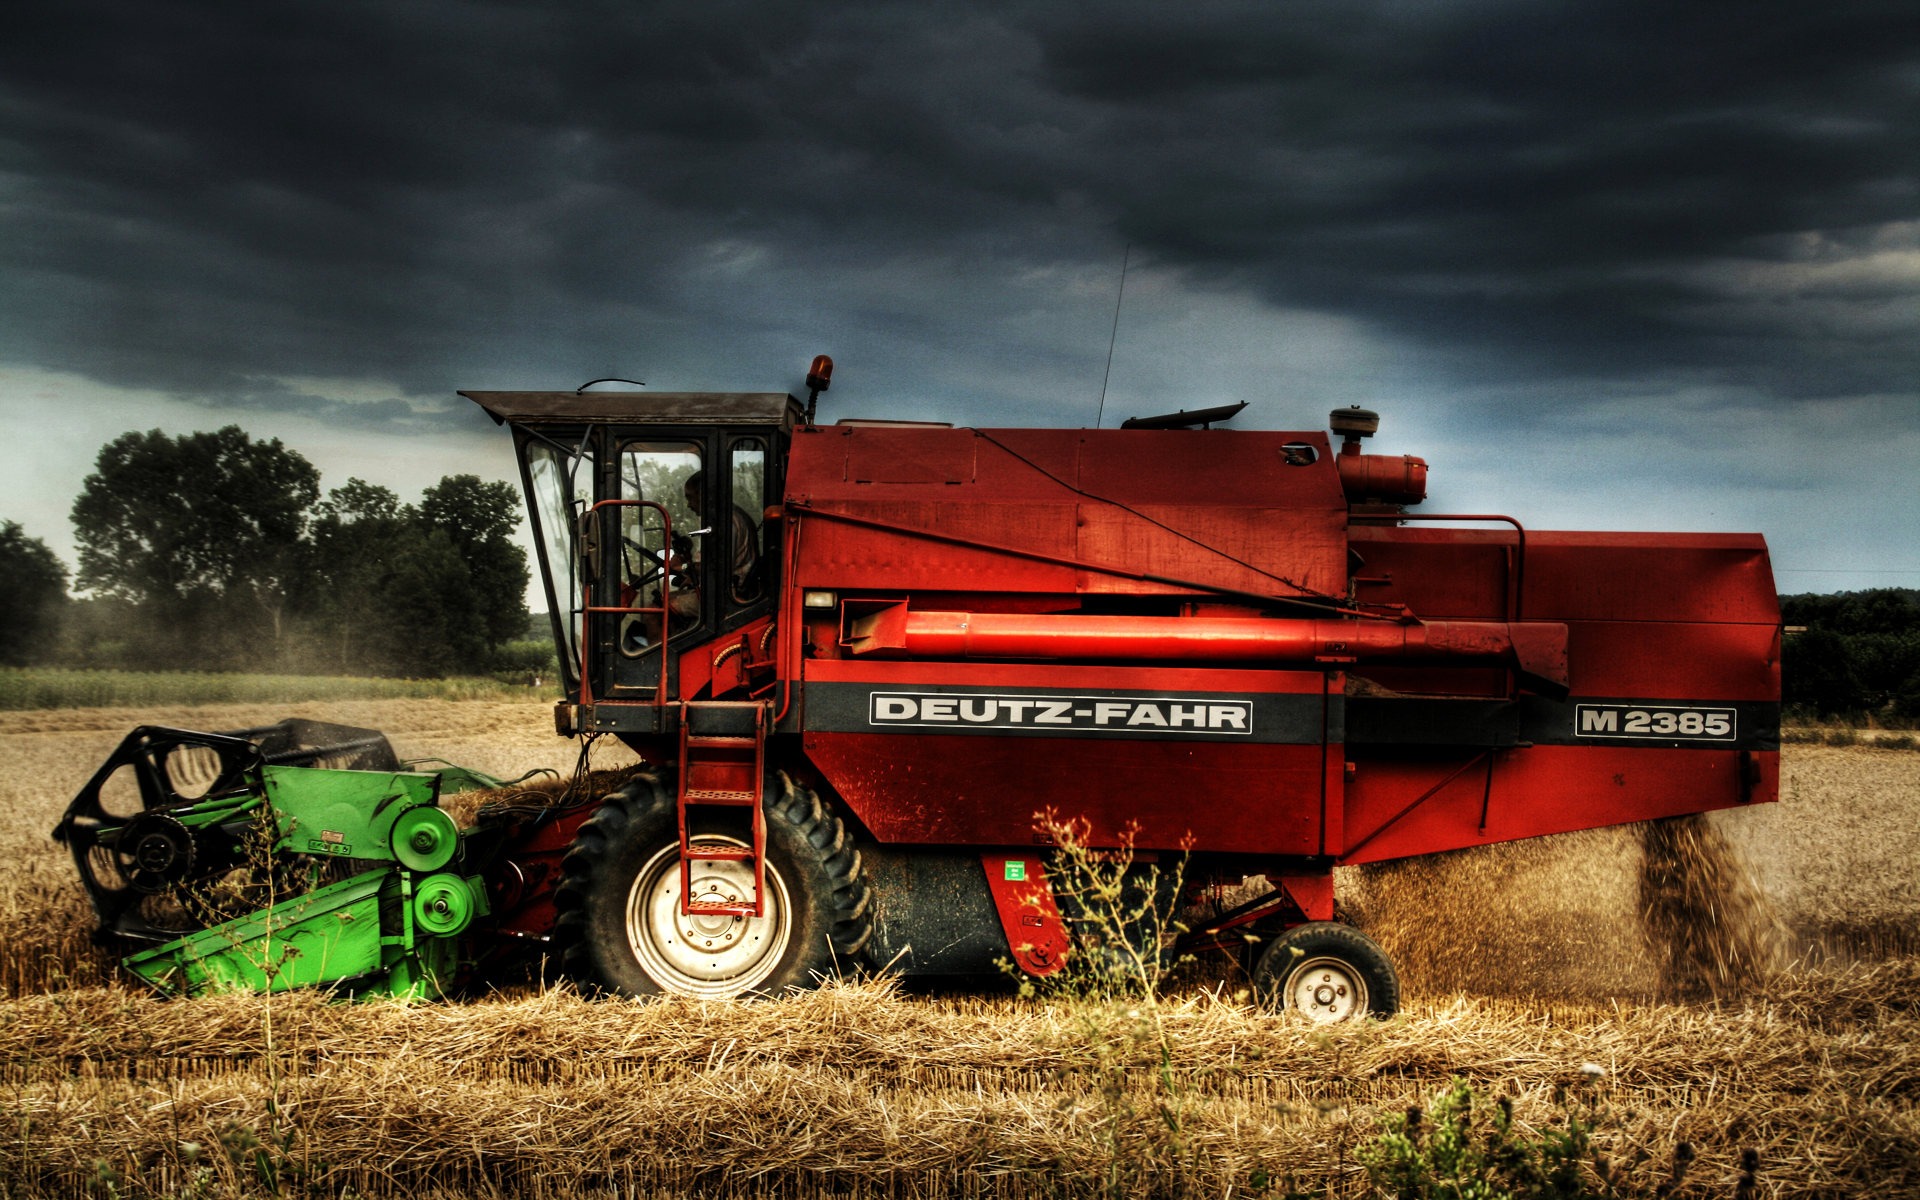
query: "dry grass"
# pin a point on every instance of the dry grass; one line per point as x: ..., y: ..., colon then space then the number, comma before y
x: 858, y: 1090
x: 539, y: 792
x: 1838, y: 854
x: 1835, y: 861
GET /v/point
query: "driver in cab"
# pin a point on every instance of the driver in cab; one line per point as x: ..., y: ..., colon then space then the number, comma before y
x: 685, y: 559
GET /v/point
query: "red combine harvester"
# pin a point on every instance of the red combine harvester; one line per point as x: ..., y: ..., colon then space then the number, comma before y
x: 861, y: 658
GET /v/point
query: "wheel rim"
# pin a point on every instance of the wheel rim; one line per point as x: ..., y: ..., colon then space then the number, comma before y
x: 1326, y: 989
x: 706, y: 955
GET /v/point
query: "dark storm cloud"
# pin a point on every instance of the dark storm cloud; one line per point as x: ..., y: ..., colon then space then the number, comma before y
x: 202, y: 196
x: 1513, y: 177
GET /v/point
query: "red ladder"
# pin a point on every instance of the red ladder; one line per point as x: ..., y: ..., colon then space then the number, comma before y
x: 723, y: 771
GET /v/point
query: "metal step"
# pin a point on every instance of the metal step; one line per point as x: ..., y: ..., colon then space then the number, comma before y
x: 723, y: 755
x: 721, y: 854
x: 721, y: 796
x: 710, y: 908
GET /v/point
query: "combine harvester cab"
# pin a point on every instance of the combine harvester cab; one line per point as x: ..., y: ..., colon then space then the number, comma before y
x: 862, y: 660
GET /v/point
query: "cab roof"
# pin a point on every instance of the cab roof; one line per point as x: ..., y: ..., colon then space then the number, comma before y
x: 640, y: 408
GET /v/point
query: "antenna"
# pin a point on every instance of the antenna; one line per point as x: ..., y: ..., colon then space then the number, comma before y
x: 608, y: 379
x: 1114, y: 335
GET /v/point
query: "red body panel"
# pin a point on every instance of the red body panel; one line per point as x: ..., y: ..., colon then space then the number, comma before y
x: 521, y: 883
x: 1686, y: 618
x: 1540, y: 790
x: 1197, y: 506
x: 1457, y: 738
x: 1569, y: 576
x: 945, y: 783
x: 1023, y: 896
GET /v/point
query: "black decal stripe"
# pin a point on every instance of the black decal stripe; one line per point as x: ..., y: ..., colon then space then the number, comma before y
x: 1283, y: 719
x: 1536, y: 720
x: 1424, y: 721
x: 1556, y: 722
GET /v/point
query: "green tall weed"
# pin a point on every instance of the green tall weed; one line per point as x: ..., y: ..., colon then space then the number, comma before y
x: 1450, y: 1151
x: 1120, y: 909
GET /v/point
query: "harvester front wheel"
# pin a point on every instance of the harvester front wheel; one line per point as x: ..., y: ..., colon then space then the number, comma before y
x: 621, y: 925
x: 1329, y: 971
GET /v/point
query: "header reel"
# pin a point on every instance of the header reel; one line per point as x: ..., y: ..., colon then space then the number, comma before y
x: 290, y: 855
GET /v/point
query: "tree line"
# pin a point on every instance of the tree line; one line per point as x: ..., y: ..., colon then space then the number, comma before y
x: 217, y: 551
x: 1853, y: 653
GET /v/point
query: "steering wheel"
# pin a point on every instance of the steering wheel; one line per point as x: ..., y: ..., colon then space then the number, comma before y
x: 682, y: 552
x: 658, y: 560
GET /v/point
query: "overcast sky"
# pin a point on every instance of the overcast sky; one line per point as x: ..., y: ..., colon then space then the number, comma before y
x: 1605, y: 265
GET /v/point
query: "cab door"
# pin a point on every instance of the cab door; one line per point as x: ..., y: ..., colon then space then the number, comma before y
x: 688, y: 548
x: 655, y: 581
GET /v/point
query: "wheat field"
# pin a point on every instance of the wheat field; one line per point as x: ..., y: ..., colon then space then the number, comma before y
x: 1525, y: 967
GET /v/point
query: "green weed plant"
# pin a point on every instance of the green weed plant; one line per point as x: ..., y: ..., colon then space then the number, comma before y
x: 1460, y: 1149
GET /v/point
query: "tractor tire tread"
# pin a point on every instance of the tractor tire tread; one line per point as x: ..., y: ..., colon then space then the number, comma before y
x: 830, y: 895
x: 1330, y: 938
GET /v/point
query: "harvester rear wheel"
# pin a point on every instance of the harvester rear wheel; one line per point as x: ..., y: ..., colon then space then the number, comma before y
x: 1329, y: 971
x: 620, y: 922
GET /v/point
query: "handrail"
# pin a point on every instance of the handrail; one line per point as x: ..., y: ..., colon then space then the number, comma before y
x: 1518, y: 575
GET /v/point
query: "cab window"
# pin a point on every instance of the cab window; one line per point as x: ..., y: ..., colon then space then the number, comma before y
x: 747, y: 561
x: 652, y: 556
x: 561, y: 485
